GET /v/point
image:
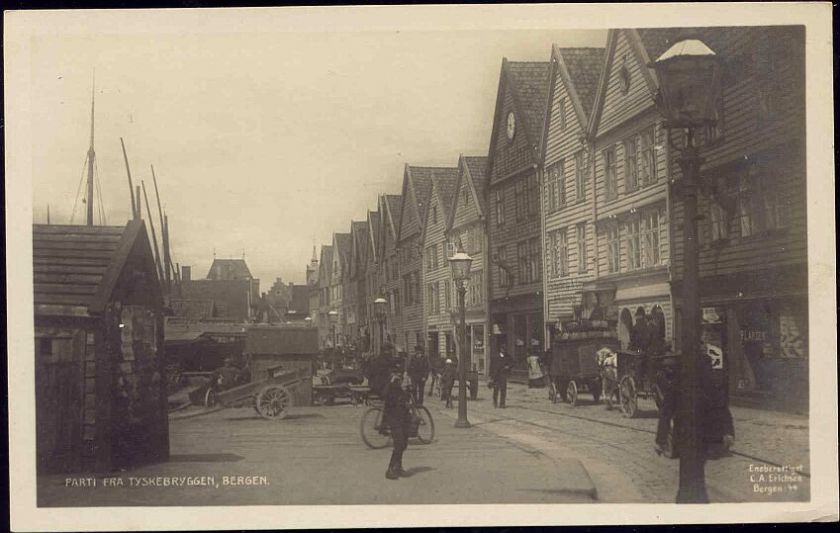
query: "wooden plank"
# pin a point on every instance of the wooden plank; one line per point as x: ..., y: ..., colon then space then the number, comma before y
x: 49, y: 268
x: 75, y: 245
x: 63, y: 288
x: 70, y: 261
x: 101, y: 255
x: 62, y: 299
x: 68, y: 228
x: 63, y: 237
x: 85, y: 279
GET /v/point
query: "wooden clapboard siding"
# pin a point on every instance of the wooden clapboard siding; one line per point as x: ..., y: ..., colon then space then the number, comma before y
x: 434, y: 244
x: 617, y: 107
x: 565, y: 129
x: 392, y: 205
x: 777, y: 143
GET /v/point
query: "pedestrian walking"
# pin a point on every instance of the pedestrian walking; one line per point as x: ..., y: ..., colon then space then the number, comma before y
x: 418, y: 372
x: 500, y: 365
x: 536, y: 377
x: 447, y: 381
x: 397, y: 417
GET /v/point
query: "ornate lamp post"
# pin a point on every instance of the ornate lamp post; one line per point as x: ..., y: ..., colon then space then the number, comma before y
x: 689, y: 83
x: 379, y: 306
x: 460, y: 263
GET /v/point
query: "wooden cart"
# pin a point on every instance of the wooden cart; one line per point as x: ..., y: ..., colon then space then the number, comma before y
x: 271, y: 397
x: 574, y: 365
x: 639, y: 378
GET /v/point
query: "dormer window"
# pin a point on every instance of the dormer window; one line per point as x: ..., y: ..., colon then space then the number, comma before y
x: 624, y: 76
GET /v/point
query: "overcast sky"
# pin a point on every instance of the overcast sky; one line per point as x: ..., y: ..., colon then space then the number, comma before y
x: 263, y: 142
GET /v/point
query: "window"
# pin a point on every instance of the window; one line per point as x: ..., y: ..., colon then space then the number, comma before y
x: 447, y: 294
x: 613, y: 248
x: 533, y: 195
x: 609, y: 173
x: 580, y: 236
x: 562, y: 114
x: 580, y: 177
x: 474, y: 292
x: 556, y: 186
x: 719, y: 220
x: 434, y: 214
x: 559, y: 253
x: 519, y: 200
x: 634, y: 251
x: 535, y: 259
x: 435, y: 256
x: 749, y: 203
x: 650, y: 238
x: 504, y: 276
x: 436, y: 294
x: 631, y: 166
x: 523, y: 257
x: 500, y: 208
x: 450, y: 248
x: 465, y: 195
x: 647, y: 157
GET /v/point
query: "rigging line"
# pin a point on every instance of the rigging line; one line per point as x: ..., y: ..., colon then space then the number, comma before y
x: 78, y: 190
x: 102, y: 219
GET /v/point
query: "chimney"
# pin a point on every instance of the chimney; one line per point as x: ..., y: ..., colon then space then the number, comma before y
x: 186, y: 271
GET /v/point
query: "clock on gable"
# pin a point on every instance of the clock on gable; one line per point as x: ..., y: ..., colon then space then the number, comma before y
x: 511, y: 125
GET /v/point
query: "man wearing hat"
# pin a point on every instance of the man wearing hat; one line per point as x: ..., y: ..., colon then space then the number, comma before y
x: 500, y: 365
x: 397, y: 417
x: 418, y: 371
x: 447, y: 381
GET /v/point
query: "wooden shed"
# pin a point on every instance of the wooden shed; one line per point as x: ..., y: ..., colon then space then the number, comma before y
x: 294, y: 347
x: 101, y: 400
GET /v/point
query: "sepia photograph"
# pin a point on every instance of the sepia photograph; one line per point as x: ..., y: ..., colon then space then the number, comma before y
x: 349, y: 258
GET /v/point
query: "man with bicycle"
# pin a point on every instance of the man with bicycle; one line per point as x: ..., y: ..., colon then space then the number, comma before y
x: 397, y: 417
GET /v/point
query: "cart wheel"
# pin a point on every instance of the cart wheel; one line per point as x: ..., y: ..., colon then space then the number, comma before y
x: 572, y: 393
x: 553, y: 394
x: 627, y: 396
x: 210, y: 398
x: 274, y: 401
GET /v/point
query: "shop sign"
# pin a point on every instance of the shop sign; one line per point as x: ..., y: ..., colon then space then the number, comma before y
x: 715, y: 354
x: 753, y: 335
x: 711, y: 315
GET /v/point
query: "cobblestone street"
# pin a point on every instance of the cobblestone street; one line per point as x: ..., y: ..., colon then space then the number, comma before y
x: 531, y: 452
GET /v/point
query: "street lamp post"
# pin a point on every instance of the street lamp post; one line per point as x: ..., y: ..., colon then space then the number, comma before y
x: 689, y: 82
x: 333, y: 314
x: 460, y: 263
x: 379, y: 306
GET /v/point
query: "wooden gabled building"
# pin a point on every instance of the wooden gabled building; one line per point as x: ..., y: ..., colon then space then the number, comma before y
x: 322, y: 321
x: 466, y: 222
x: 439, y: 298
x: 631, y: 182
x: 339, y: 285
x: 101, y: 400
x: 514, y: 227
x: 568, y: 199
x: 360, y: 256
x: 389, y: 266
x: 373, y: 283
x: 753, y: 257
x: 417, y: 190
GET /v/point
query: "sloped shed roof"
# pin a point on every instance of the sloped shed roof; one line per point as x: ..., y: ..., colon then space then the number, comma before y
x: 76, y: 268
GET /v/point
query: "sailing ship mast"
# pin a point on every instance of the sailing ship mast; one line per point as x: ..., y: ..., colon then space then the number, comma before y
x: 91, y: 156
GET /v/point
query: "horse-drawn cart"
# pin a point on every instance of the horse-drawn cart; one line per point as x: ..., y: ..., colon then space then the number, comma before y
x: 640, y: 377
x: 271, y: 397
x: 574, y: 364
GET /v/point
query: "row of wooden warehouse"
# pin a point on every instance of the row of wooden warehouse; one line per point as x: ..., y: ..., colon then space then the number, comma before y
x: 572, y: 215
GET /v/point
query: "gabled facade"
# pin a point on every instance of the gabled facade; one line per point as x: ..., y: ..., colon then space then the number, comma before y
x: 568, y: 199
x: 466, y: 223
x: 439, y: 298
x: 360, y: 254
x: 389, y: 267
x: 325, y: 300
x: 514, y: 226
x: 373, y: 283
x: 631, y: 215
x: 417, y: 188
x: 340, y: 287
x: 753, y: 236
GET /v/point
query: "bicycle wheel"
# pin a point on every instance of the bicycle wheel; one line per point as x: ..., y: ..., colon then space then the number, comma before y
x: 426, y: 428
x: 370, y: 429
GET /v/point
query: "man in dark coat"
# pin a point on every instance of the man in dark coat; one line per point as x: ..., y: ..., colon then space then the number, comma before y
x: 418, y: 371
x: 447, y: 381
x: 500, y: 365
x: 397, y: 416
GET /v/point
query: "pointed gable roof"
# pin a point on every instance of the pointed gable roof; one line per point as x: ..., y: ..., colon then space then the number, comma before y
x: 477, y: 170
x: 375, y: 232
x: 417, y: 185
x: 530, y: 81
x: 343, y: 243
x: 583, y: 66
x: 444, y: 180
x: 325, y: 265
x: 360, y: 250
x: 393, y: 206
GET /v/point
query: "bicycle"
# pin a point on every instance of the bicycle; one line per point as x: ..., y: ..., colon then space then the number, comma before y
x: 376, y: 434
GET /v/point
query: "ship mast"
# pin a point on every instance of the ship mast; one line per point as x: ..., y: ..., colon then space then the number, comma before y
x: 91, y: 156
